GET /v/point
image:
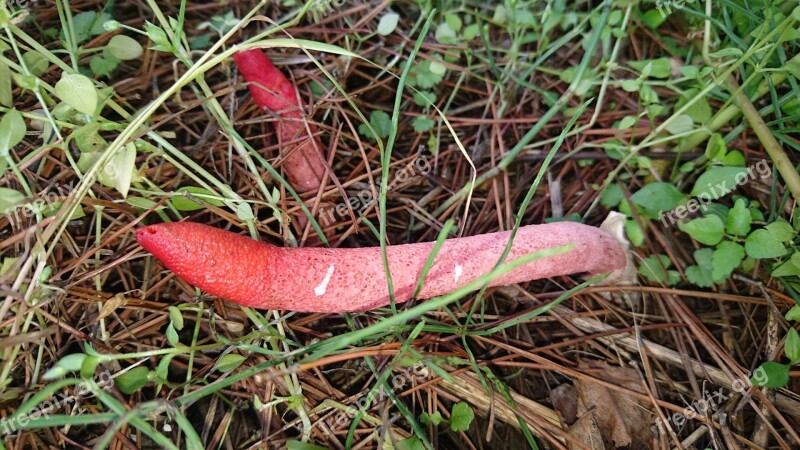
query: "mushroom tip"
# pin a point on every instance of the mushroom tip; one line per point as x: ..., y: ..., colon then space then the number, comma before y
x: 149, y: 236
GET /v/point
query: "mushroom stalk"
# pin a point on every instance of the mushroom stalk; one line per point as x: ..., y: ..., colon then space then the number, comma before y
x: 260, y: 275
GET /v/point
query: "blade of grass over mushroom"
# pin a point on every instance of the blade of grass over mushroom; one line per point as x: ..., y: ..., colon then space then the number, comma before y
x: 386, y: 156
x: 445, y: 231
x: 512, y: 154
x: 528, y: 198
x: 338, y: 343
x: 332, y: 345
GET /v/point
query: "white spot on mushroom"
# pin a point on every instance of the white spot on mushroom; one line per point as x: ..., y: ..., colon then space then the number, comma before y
x: 459, y: 272
x: 320, y: 290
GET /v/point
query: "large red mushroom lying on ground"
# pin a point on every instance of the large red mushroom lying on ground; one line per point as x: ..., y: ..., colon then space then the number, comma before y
x: 260, y: 275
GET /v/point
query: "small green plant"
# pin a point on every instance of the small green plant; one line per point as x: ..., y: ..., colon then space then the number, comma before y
x: 461, y: 416
x: 120, y: 47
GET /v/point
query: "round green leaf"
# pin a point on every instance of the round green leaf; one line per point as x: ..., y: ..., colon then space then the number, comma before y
x: 244, y: 212
x: 795, y: 258
x: 781, y: 230
x: 700, y: 275
x: 388, y: 23
x: 654, y: 268
x: 653, y: 18
x: 72, y: 362
x: 630, y: 85
x: 453, y: 21
x: 707, y: 230
x: 424, y: 98
x: 36, y: 63
x: 445, y: 34
x: 422, y: 124
x: 172, y: 335
x: 659, y: 196
x: 716, y: 182
x: 461, y: 417
x: 787, y: 269
x: 101, y: 66
x: 67, y: 364
x: 634, y: 232
x: 725, y: 259
x: 436, y: 67
x: 760, y: 244
x: 124, y: 47
x: 12, y: 131
x: 54, y: 372
x: 77, y: 91
x: 699, y: 110
x: 89, y: 366
x: 431, y: 419
x: 119, y: 171
x: 793, y: 313
x: 612, y: 196
x: 627, y: 122
x: 771, y: 375
x: 716, y: 147
x: 132, y: 380
x: 680, y: 124
x: 735, y: 158
x: 471, y: 31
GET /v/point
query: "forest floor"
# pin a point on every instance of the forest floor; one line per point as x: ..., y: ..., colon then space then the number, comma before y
x: 681, y: 115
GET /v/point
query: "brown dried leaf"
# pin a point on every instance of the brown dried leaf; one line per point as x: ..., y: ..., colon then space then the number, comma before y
x: 111, y: 305
x: 602, y: 418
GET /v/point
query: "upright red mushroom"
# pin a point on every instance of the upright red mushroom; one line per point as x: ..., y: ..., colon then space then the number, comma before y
x: 261, y: 275
x: 272, y: 91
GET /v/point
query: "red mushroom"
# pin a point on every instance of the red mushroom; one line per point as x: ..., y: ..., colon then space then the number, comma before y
x: 260, y: 275
x: 272, y: 91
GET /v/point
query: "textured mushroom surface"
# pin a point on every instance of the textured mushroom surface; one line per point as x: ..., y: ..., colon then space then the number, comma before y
x: 262, y: 275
